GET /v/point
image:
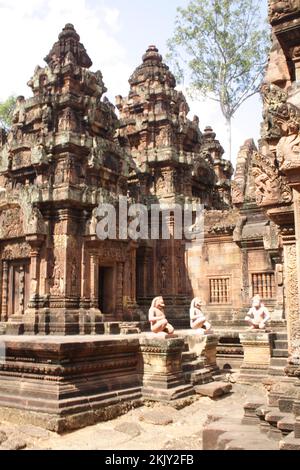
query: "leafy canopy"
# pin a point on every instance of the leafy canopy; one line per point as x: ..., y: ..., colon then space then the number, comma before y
x: 224, y: 44
x: 6, y: 112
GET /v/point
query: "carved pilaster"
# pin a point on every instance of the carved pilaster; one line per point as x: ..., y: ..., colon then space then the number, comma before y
x: 120, y: 284
x: 291, y: 290
x: 4, y: 291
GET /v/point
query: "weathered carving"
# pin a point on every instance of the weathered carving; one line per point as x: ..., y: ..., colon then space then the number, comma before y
x: 271, y: 187
x: 15, y: 251
x: 279, y: 9
x: 11, y: 223
x: 241, y: 186
x: 290, y: 267
x: 57, y: 279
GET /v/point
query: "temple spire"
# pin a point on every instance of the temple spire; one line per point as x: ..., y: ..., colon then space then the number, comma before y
x: 68, y: 48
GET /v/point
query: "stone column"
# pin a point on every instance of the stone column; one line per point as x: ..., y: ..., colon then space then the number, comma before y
x: 296, y: 196
x: 4, y: 313
x: 94, y: 281
x: 133, y: 279
x: 291, y: 288
x: 119, y: 290
x: 246, y: 288
x: 34, y: 273
x: 34, y: 319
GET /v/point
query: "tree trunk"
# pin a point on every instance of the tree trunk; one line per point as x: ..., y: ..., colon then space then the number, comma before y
x: 229, y: 135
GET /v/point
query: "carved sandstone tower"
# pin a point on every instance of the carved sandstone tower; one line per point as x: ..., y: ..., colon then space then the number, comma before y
x: 174, y: 164
x: 57, y: 163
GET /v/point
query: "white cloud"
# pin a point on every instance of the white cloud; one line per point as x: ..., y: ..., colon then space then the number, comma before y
x: 112, y: 16
x: 29, y: 29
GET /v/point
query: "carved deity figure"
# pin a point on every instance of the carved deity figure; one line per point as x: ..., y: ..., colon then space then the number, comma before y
x: 258, y: 315
x: 58, y: 282
x: 197, y: 318
x: 36, y: 222
x: 19, y: 113
x: 163, y: 273
x: 157, y: 318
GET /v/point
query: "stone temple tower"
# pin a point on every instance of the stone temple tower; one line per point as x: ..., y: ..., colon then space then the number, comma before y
x: 175, y: 163
x: 57, y: 163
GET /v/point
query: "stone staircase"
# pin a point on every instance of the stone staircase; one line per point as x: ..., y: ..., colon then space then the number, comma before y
x: 279, y: 355
x: 261, y: 428
x: 194, y: 369
x: 281, y: 426
x: 2, y: 328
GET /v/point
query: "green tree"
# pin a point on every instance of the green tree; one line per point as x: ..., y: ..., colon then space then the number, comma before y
x: 222, y: 46
x: 6, y: 112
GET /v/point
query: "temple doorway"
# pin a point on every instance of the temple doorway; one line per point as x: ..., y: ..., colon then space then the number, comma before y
x: 18, y: 287
x: 106, y: 290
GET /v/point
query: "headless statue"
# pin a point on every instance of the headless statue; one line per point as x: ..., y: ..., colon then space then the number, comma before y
x: 258, y: 315
x: 157, y: 318
x: 197, y: 318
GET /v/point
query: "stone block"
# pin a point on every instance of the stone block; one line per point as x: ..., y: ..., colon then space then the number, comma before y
x: 257, y: 347
x: 163, y: 378
x: 290, y: 442
x: 213, y: 389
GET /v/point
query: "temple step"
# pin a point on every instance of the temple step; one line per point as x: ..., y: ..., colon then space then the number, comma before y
x: 287, y: 424
x: 278, y: 362
x: 2, y: 329
x: 193, y: 365
x: 279, y: 344
x: 290, y: 443
x: 213, y: 389
x: 198, y: 377
x: 281, y: 336
x: 276, y: 371
x: 188, y: 356
x: 280, y: 353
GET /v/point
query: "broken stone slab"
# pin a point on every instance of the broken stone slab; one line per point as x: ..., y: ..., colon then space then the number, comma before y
x: 213, y: 432
x: 131, y: 429
x: 252, y: 443
x: 3, y: 437
x: 262, y: 411
x: 185, y: 443
x: 14, y: 443
x: 33, y: 431
x: 157, y: 419
x: 161, y: 416
x: 274, y: 416
x: 213, y: 389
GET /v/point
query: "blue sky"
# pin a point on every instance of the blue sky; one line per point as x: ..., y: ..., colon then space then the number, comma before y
x: 115, y: 34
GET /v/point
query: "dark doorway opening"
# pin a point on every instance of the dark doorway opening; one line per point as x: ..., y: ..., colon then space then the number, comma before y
x: 106, y: 290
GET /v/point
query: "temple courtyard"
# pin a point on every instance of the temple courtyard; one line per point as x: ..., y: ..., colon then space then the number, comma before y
x: 150, y: 427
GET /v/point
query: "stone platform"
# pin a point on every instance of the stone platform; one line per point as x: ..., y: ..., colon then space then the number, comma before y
x: 64, y: 383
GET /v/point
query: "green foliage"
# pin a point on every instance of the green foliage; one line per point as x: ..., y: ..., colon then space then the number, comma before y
x: 6, y: 112
x: 223, y: 47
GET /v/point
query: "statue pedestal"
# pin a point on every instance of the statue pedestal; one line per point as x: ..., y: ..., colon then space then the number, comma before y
x: 163, y: 378
x: 257, y: 347
x: 205, y: 346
